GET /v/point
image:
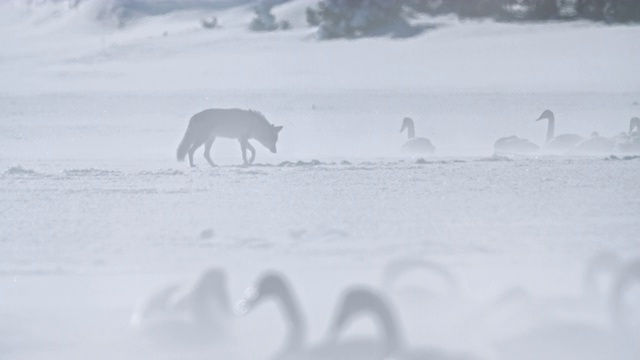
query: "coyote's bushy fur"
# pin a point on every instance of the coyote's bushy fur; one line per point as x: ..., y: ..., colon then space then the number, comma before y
x: 243, y: 125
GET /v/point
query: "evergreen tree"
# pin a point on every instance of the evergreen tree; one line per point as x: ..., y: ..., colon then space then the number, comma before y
x: 264, y: 20
x: 615, y: 11
x: 544, y: 9
x: 590, y: 9
x: 350, y: 18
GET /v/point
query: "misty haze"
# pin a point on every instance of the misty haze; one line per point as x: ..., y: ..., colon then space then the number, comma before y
x: 320, y: 179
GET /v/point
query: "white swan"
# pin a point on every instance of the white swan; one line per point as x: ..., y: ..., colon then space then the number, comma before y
x: 188, y: 316
x: 560, y: 143
x: 395, y: 269
x: 579, y: 340
x: 594, y: 145
x: 629, y: 143
x: 514, y: 145
x: 418, y: 145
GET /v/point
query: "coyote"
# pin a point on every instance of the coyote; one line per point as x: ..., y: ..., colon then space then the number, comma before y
x: 243, y: 125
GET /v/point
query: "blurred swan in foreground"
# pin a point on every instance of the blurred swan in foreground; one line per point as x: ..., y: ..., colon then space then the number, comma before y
x: 390, y: 343
x: 629, y: 143
x: 517, y: 309
x: 514, y: 145
x: 355, y: 302
x: 274, y: 286
x: 559, y: 143
x: 597, y: 280
x: 418, y: 145
x: 397, y: 268
x: 423, y: 289
x: 614, y: 339
x: 197, y: 315
x: 594, y: 145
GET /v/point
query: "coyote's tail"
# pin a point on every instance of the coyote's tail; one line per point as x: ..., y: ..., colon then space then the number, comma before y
x: 186, y: 142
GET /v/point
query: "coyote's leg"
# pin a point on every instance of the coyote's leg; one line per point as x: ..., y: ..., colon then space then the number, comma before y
x: 193, y: 149
x: 243, y: 148
x: 207, y: 150
x: 253, y: 152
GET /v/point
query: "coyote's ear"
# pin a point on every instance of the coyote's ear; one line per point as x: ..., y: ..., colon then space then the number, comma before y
x: 277, y: 128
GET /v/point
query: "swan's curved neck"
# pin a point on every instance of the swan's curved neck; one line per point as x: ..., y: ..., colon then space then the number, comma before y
x: 411, y: 129
x: 210, y: 298
x: 551, y: 127
x: 297, y: 332
x: 278, y: 288
x: 389, y: 330
x: 364, y: 301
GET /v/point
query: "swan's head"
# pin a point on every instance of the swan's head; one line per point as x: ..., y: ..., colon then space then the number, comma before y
x: 406, y: 123
x: 270, y: 285
x: 358, y: 301
x: 634, y: 124
x: 547, y: 114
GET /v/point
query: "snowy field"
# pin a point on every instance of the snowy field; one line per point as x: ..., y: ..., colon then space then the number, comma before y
x: 96, y: 214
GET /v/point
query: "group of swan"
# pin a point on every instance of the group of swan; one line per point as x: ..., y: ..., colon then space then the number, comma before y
x: 202, y: 314
x: 614, y: 338
x: 356, y: 302
x: 573, y: 144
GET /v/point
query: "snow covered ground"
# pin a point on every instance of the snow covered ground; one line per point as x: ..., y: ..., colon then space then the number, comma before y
x: 96, y: 214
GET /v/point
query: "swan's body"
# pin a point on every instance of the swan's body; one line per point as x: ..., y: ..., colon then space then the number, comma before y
x: 515, y: 145
x: 559, y: 143
x: 197, y: 315
x: 629, y: 143
x: 417, y: 145
x: 579, y: 340
x: 595, y: 145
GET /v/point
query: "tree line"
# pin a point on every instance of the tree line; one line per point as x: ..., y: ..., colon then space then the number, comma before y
x: 612, y: 11
x: 353, y: 18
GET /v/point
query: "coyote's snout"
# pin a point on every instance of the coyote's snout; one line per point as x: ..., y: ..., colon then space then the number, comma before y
x: 243, y: 125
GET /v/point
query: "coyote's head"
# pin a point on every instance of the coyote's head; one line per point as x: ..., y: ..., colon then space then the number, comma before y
x: 269, y: 137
